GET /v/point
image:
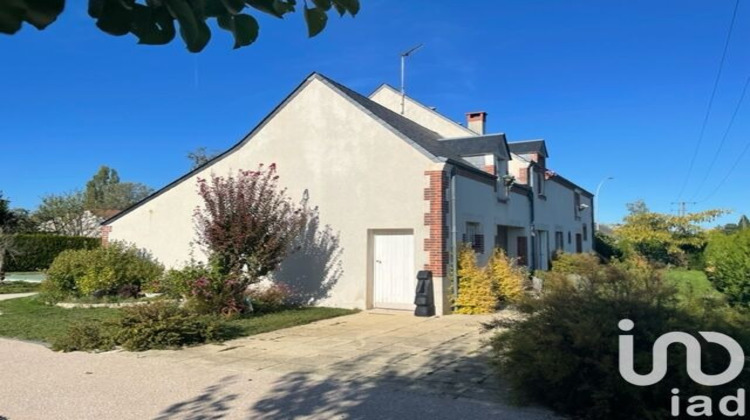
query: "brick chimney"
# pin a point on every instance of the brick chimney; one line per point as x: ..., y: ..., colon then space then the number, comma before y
x: 475, y: 121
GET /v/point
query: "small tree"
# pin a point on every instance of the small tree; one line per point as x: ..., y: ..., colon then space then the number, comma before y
x: 247, y: 223
x: 105, y: 191
x: 66, y: 214
x: 664, y: 238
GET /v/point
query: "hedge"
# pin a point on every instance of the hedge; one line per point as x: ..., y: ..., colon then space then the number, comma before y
x: 727, y: 260
x: 34, y: 252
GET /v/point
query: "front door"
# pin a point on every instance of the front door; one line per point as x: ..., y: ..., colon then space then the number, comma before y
x: 394, y: 278
x: 543, y: 250
x: 522, y: 248
x: 579, y: 243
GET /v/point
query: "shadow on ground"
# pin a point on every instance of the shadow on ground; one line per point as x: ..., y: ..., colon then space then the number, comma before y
x: 446, y: 383
x: 214, y: 402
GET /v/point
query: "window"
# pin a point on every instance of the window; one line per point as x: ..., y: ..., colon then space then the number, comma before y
x: 570, y: 238
x: 474, y: 237
x: 539, y: 181
x: 577, y: 206
x: 585, y: 232
x: 559, y: 241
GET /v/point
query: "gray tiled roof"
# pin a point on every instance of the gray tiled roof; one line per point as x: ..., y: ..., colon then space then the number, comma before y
x: 479, y: 145
x: 529, y: 146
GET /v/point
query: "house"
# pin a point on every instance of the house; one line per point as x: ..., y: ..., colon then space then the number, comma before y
x: 395, y: 193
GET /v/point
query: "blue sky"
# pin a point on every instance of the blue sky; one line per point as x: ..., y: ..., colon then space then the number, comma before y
x: 617, y: 88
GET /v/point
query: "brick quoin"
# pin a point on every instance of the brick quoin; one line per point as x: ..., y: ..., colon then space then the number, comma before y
x: 434, y: 245
x: 105, y: 230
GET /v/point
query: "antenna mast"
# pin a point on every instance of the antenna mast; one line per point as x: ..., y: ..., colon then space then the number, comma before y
x: 403, y: 73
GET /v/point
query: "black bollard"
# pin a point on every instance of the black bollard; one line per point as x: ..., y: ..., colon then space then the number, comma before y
x: 425, y: 298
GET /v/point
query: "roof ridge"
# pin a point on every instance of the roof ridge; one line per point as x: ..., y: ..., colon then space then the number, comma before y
x: 527, y: 141
x: 420, y: 104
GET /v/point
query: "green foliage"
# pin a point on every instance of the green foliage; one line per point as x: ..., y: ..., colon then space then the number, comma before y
x: 728, y: 265
x: 161, y: 325
x: 14, y: 220
x: 564, y: 354
x: 85, y: 336
x: 606, y: 246
x: 66, y: 214
x: 664, y: 238
x: 157, y: 325
x: 5, y: 214
x: 177, y: 283
x: 37, y: 251
x: 104, y: 271
x: 153, y: 23
x: 18, y: 287
x: 32, y: 319
x: 104, y: 191
x: 579, y: 264
x: 692, y: 284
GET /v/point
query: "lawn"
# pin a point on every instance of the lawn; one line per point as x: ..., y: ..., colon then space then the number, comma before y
x: 31, y: 319
x: 690, y: 282
x: 18, y: 287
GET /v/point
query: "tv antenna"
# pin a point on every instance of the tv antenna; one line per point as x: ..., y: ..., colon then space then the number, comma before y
x: 403, y: 73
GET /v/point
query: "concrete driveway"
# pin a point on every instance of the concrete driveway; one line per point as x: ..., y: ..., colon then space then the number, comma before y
x: 369, y: 365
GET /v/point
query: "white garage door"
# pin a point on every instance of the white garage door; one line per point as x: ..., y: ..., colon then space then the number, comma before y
x: 394, y: 278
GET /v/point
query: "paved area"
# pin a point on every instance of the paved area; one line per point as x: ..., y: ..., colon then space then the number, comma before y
x: 7, y: 296
x: 370, y: 365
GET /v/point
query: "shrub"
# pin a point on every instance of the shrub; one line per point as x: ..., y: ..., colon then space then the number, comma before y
x: 157, y: 325
x: 86, y: 336
x: 217, y: 294
x: 177, y: 283
x: 509, y: 279
x: 565, y: 353
x: 161, y: 325
x: 247, y: 222
x: 37, y: 251
x: 727, y: 260
x: 578, y: 264
x: 248, y: 225
x: 476, y: 291
x: 271, y: 298
x: 102, y: 271
x: 607, y: 246
x: 65, y: 270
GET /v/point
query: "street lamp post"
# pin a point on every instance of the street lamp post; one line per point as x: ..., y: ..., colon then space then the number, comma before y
x: 596, y: 200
